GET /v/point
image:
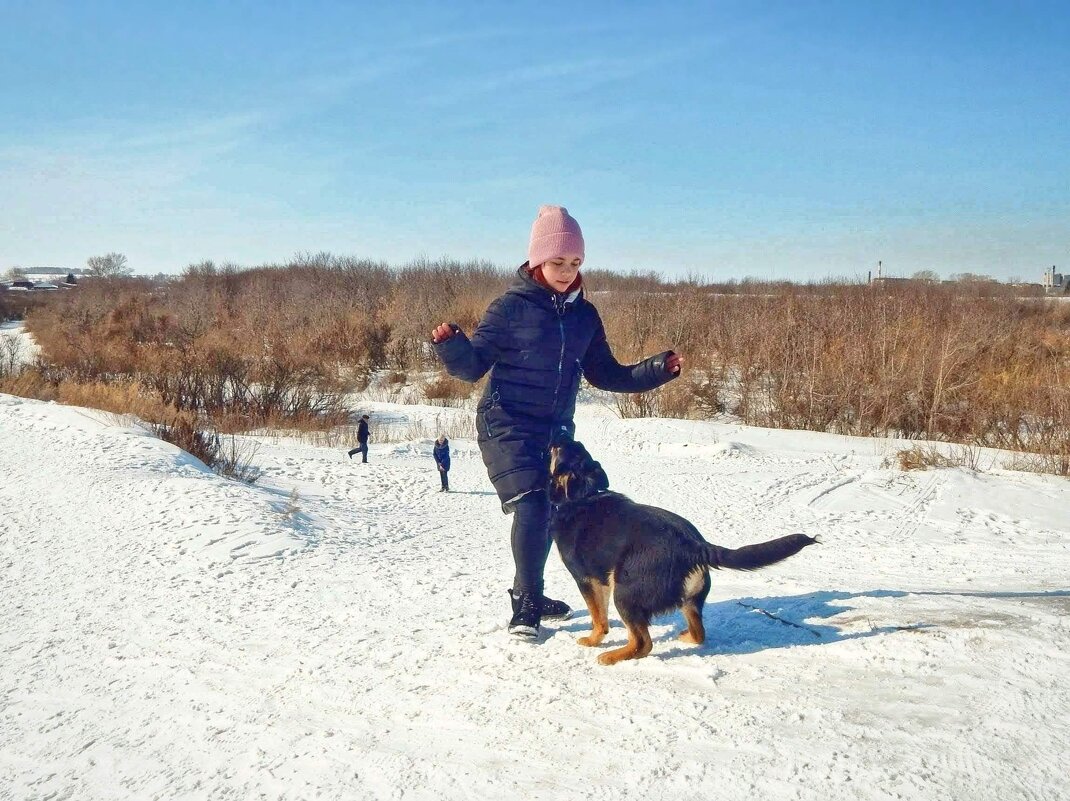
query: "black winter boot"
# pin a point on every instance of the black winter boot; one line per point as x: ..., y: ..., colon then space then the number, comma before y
x: 555, y: 610
x: 527, y: 611
x: 551, y: 609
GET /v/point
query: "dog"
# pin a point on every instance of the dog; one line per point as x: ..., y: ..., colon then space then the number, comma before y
x: 650, y: 560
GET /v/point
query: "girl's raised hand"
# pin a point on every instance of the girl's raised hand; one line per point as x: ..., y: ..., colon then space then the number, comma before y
x: 675, y: 363
x: 442, y: 333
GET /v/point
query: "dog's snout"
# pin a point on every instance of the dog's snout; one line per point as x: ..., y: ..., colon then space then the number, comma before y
x: 555, y: 457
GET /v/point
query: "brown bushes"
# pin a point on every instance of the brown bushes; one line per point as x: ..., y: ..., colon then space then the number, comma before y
x: 427, y: 293
x: 922, y: 457
x: 196, y: 347
x: 16, y: 305
x: 447, y: 390
x: 28, y: 383
x: 918, y: 360
x: 921, y: 362
x: 123, y: 397
x: 225, y: 454
x: 966, y: 363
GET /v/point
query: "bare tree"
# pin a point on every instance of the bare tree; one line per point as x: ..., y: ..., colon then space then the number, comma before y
x: 972, y: 278
x: 111, y: 265
x: 10, y: 355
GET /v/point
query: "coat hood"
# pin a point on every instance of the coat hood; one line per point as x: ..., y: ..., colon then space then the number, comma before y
x: 526, y: 285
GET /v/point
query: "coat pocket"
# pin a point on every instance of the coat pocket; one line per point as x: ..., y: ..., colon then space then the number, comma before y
x: 486, y: 417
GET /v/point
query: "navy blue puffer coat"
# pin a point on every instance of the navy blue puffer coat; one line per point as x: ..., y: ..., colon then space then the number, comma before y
x: 441, y: 452
x: 537, y: 345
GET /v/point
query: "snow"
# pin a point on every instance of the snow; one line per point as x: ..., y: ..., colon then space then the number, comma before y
x: 337, y: 630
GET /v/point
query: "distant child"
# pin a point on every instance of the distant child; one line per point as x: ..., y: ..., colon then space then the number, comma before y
x: 538, y: 339
x: 442, y: 461
x: 362, y: 439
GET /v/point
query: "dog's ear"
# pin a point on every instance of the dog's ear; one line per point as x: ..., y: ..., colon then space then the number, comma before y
x: 595, y: 479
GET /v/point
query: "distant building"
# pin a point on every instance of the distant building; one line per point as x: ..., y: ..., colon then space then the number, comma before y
x: 1055, y: 283
x: 882, y: 280
x: 56, y: 276
x: 23, y: 285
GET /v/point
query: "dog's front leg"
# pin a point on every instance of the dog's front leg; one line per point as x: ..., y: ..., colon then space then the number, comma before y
x: 596, y: 595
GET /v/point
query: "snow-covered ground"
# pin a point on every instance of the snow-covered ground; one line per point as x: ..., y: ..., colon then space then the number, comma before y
x: 337, y: 630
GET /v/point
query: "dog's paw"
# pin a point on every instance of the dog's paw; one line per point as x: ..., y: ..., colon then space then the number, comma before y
x: 589, y: 641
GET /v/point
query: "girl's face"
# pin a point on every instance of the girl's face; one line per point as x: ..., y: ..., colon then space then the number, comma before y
x: 560, y: 272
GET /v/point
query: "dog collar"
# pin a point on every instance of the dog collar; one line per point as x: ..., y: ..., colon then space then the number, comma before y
x: 585, y: 498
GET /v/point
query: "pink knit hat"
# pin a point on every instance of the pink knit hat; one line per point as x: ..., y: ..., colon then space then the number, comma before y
x: 554, y: 233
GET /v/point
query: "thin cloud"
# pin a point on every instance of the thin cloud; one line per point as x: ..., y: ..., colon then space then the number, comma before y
x: 582, y: 75
x: 130, y: 140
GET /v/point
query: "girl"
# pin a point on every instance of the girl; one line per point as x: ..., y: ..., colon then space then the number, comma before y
x: 537, y: 340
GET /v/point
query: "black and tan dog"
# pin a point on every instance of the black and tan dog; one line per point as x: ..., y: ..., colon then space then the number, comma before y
x: 650, y: 560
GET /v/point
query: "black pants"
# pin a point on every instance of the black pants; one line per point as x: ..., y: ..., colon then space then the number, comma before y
x: 362, y: 449
x: 531, y: 541
x: 445, y: 476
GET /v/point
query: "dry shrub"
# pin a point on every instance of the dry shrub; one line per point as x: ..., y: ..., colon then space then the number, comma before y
x: 184, y: 432
x: 426, y: 293
x: 16, y: 305
x: 236, y: 459
x: 29, y: 382
x: 923, y: 457
x: 1054, y: 463
x: 676, y: 399
x: 708, y: 397
x: 635, y: 404
x: 234, y: 421
x: 453, y: 426
x: 447, y: 390
x: 126, y: 397
x: 225, y: 454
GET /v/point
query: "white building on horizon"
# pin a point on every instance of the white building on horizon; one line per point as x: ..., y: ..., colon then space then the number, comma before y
x: 1055, y: 282
x: 53, y: 275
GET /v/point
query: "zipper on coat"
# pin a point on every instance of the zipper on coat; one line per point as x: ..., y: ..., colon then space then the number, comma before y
x: 560, y: 309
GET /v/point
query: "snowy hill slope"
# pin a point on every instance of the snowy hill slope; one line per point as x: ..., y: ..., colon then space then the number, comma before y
x: 172, y: 634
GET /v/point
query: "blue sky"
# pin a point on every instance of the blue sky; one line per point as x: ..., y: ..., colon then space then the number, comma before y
x: 789, y: 140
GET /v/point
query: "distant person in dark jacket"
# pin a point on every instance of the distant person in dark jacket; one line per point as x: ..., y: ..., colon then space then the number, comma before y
x: 442, y: 461
x: 537, y: 340
x: 362, y: 440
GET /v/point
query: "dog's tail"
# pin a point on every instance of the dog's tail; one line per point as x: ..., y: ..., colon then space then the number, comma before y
x: 752, y: 557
